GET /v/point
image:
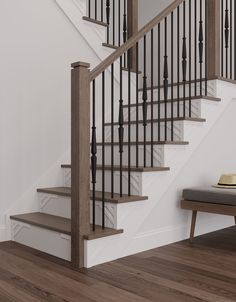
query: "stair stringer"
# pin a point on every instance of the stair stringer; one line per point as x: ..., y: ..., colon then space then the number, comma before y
x: 155, y: 186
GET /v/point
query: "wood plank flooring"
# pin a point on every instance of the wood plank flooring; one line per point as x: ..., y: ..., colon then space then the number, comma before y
x: 203, y: 271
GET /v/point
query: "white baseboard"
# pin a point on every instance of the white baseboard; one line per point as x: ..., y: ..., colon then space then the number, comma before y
x: 149, y: 240
x: 3, y: 236
x: 171, y: 234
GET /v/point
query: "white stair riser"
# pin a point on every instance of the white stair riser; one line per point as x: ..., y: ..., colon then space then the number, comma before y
x: 61, y: 206
x: 177, y: 131
x: 135, y: 185
x: 158, y: 155
x: 175, y: 92
x: 50, y: 242
x: 195, y: 110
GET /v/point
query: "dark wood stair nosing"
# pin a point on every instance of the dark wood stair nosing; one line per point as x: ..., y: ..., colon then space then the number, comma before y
x: 162, y: 120
x: 175, y: 100
x: 192, y: 82
x: 95, y: 21
x: 66, y: 192
x: 148, y: 143
x: 175, y: 84
x: 61, y: 225
x: 110, y: 46
x: 126, y: 168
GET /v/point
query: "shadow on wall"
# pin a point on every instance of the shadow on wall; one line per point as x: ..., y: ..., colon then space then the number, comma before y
x: 149, y: 9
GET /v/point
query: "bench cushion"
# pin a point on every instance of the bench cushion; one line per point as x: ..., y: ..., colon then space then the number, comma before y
x: 211, y: 195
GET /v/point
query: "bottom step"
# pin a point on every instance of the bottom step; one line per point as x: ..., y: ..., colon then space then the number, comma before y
x: 49, y: 233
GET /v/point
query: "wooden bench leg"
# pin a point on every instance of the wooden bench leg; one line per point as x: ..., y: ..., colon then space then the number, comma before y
x: 193, y: 224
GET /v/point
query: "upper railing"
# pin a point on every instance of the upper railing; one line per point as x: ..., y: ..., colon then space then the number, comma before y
x: 133, y: 111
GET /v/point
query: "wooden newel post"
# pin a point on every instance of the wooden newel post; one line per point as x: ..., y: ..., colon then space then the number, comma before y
x: 213, y: 41
x: 80, y: 160
x: 132, y: 16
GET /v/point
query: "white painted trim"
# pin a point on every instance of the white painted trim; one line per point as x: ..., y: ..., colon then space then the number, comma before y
x: 96, y: 255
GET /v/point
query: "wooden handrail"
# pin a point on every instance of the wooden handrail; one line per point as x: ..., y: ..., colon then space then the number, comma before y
x: 132, y: 41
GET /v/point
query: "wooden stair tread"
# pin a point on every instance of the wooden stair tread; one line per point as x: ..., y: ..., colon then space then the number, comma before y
x: 175, y: 84
x: 148, y: 143
x: 126, y: 168
x: 66, y: 191
x: 162, y: 120
x: 60, y: 224
x: 95, y: 21
x: 192, y: 82
x: 195, y: 98
x: 110, y: 45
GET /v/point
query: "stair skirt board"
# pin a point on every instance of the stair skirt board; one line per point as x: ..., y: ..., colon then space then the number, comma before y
x: 61, y: 206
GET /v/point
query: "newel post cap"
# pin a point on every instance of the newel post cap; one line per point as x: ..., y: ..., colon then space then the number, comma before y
x: 80, y: 64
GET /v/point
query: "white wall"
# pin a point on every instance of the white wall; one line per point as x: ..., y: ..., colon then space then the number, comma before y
x: 38, y: 44
x: 149, y: 9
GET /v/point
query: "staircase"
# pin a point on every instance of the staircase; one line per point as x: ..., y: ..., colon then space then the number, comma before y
x: 153, y: 100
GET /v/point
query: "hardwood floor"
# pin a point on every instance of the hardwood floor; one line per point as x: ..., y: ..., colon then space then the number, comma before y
x: 203, y: 271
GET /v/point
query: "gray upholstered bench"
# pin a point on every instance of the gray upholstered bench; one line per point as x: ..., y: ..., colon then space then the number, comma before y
x: 209, y: 200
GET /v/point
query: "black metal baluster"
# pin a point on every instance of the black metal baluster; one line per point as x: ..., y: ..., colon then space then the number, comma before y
x: 103, y: 150
x: 96, y: 10
x: 184, y: 60
x: 102, y: 10
x: 200, y: 45
x: 112, y: 130
x: 124, y: 30
x: 222, y: 38
x: 129, y: 120
x: 195, y: 47
x: 114, y: 23
x: 121, y: 129
x: 165, y: 78
x: 152, y: 79
x: 206, y: 47
x: 108, y: 4
x: 144, y: 99
x: 226, y: 37
x: 190, y: 58
x: 119, y: 23
x: 178, y: 64
x: 89, y: 8
x: 231, y: 40
x: 172, y: 76
x: 137, y: 105
x: 94, y: 154
x: 159, y: 82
